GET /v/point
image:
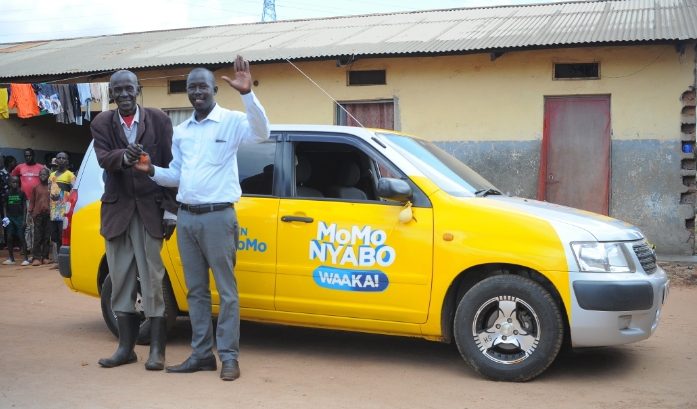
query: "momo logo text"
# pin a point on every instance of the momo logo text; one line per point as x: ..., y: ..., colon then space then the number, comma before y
x: 354, y: 246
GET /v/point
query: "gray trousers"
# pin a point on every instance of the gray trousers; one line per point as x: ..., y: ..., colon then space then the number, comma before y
x: 209, y: 240
x: 132, y: 254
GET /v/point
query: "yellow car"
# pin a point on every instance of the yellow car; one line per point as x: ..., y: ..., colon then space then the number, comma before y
x: 375, y: 231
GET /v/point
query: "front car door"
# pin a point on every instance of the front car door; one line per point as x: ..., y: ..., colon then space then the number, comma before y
x: 341, y: 250
x: 255, y: 268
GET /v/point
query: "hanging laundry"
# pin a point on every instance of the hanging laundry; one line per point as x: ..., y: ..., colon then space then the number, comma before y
x: 75, y: 101
x: 96, y: 92
x: 4, y: 111
x: 46, y: 94
x: 23, y: 98
x: 85, y: 94
x: 68, y: 115
x: 104, y: 87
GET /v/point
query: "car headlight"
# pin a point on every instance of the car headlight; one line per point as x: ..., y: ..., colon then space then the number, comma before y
x: 601, y: 257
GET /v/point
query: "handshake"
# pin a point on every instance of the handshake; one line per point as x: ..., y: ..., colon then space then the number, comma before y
x: 140, y: 160
x: 133, y: 153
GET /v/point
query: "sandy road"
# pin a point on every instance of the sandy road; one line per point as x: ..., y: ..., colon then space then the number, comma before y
x: 51, y: 339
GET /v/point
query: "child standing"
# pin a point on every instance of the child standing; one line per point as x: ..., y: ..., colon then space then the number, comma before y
x: 61, y: 182
x: 4, y: 185
x: 14, y: 208
x: 39, y: 210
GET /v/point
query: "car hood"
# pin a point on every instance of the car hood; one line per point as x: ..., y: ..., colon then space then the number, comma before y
x: 603, y: 228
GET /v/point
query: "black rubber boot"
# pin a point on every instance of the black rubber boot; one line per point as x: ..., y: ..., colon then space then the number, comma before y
x: 128, y: 324
x: 158, y: 341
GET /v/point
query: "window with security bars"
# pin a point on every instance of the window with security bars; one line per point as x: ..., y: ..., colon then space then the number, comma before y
x: 176, y: 86
x: 366, y: 77
x: 577, y: 71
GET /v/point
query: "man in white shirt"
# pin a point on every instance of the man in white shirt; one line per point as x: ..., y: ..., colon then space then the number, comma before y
x: 204, y: 167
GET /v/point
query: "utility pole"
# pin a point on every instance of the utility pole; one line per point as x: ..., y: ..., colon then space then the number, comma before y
x: 269, y: 13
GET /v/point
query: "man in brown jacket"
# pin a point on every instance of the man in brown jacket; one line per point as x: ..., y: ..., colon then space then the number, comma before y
x: 136, y: 214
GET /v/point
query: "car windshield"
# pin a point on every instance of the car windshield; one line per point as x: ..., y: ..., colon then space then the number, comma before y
x: 451, y: 175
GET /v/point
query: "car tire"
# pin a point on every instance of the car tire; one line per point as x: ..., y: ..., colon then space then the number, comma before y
x: 171, y: 310
x: 508, y: 328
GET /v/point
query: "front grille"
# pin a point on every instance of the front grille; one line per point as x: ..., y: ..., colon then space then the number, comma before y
x: 646, y: 256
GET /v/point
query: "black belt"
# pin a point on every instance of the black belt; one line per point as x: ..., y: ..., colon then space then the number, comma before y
x: 205, y: 208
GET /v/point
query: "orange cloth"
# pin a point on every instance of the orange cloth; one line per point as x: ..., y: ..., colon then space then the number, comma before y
x: 4, y: 112
x: 24, y: 99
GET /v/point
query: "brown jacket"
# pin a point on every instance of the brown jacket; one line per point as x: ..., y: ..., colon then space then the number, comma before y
x: 127, y: 190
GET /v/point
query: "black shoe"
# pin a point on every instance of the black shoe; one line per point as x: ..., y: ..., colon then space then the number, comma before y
x: 128, y: 325
x: 230, y: 370
x: 194, y: 365
x: 158, y: 341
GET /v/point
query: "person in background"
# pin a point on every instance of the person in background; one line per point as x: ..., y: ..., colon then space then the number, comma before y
x: 136, y: 215
x: 204, y: 167
x: 28, y: 173
x: 10, y: 163
x: 61, y: 183
x: 4, y: 186
x: 39, y: 210
x: 14, y: 208
x: 53, y: 165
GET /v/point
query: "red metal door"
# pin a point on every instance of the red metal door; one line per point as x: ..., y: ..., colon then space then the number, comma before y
x: 575, y: 160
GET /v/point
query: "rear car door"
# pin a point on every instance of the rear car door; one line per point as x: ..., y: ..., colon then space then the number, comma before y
x: 257, y: 209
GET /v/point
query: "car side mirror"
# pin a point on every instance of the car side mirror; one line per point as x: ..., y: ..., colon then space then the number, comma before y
x: 394, y: 189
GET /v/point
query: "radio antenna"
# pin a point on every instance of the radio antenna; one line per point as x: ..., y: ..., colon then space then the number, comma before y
x: 325, y: 93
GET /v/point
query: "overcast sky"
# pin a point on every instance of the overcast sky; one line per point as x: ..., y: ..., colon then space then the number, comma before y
x: 31, y: 20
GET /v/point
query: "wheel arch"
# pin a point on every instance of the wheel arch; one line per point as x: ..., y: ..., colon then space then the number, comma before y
x: 470, y: 277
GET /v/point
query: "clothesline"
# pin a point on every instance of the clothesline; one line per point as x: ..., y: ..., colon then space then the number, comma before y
x: 70, y: 103
x: 103, y: 73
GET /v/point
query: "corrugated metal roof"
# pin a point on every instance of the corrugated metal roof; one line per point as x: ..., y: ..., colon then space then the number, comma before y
x: 422, y: 32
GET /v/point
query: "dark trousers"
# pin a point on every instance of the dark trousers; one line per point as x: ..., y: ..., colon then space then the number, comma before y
x: 57, y: 232
x: 42, y: 234
x: 15, y: 236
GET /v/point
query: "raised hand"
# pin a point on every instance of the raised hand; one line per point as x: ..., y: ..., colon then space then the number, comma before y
x: 243, y: 77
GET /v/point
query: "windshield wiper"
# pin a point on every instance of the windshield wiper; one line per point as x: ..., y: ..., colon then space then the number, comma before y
x: 486, y: 192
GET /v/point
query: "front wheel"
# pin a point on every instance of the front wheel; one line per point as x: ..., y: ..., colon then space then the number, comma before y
x: 171, y: 310
x: 508, y: 328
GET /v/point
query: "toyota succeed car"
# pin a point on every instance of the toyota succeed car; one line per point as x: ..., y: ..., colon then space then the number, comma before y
x: 374, y: 231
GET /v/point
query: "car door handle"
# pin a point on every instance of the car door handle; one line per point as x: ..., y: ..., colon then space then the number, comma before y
x: 289, y: 219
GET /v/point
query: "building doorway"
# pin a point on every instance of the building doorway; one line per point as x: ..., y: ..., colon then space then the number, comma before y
x: 575, y: 157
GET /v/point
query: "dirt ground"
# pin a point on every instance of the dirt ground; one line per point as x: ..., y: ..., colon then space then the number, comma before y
x: 51, y: 339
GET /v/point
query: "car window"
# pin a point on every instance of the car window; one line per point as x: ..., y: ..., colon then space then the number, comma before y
x: 451, y: 175
x: 334, y: 170
x: 255, y: 164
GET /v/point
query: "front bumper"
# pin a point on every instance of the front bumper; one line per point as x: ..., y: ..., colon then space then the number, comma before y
x: 613, y: 309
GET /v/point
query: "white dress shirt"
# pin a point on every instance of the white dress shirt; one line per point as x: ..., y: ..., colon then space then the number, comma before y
x: 204, y: 154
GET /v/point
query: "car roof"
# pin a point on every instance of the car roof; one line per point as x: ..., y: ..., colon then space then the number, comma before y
x: 365, y: 133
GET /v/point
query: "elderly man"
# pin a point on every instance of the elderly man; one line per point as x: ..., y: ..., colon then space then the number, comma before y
x: 134, y: 215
